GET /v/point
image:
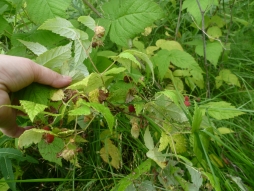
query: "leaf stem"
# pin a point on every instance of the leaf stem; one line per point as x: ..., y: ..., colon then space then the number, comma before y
x: 92, y: 8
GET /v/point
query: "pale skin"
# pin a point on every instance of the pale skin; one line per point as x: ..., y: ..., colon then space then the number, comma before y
x: 15, y: 74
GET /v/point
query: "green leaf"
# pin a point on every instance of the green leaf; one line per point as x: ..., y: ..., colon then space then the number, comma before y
x: 35, y: 47
x: 104, y: 111
x: 31, y: 136
x: 196, y: 178
x: 130, y: 17
x: 49, y: 151
x: 225, y: 130
x: 226, y: 76
x: 12, y: 153
x: 32, y: 109
x: 193, y: 9
x: 6, y: 169
x: 82, y: 49
x: 115, y: 71
x: 213, y: 52
x: 220, y: 110
x: 148, y: 139
x: 35, y: 92
x: 91, y: 82
x: 129, y: 56
x: 168, y: 44
x: 171, y: 94
x: 157, y: 157
x: 5, y: 27
x: 41, y: 10
x: 83, y: 110
x: 3, y: 185
x: 176, y: 113
x: 214, y: 32
x: 197, y: 119
x: 143, y: 168
x: 143, y: 57
x: 179, y: 58
x: 62, y: 27
x: 213, y: 182
x: 55, y: 57
x: 87, y: 21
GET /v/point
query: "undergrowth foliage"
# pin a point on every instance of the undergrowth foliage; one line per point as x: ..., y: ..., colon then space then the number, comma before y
x: 140, y: 102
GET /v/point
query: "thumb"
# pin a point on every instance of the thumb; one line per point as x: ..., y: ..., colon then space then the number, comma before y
x: 46, y: 76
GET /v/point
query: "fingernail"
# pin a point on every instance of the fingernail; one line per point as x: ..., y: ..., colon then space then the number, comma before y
x: 67, y: 77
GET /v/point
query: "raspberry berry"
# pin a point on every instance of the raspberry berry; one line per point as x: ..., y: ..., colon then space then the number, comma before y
x: 49, y: 138
x: 131, y: 108
x: 187, y: 103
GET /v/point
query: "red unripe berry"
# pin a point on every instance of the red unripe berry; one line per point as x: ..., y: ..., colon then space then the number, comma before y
x: 186, y: 98
x: 187, y: 103
x: 131, y: 108
x: 46, y: 128
x: 49, y: 138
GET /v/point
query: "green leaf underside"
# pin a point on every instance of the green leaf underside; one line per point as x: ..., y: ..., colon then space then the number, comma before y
x: 49, y: 151
x: 148, y: 139
x: 55, y: 57
x: 35, y: 47
x: 130, y: 18
x: 41, y: 10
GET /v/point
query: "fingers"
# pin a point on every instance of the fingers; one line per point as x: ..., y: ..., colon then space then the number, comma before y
x: 46, y: 76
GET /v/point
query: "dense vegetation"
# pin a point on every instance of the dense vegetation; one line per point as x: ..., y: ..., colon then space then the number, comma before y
x: 161, y: 98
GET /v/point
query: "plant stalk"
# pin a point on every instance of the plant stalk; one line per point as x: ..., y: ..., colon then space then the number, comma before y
x: 206, y: 65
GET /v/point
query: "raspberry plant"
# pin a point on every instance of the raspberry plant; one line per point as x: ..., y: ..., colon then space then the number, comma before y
x: 143, y: 86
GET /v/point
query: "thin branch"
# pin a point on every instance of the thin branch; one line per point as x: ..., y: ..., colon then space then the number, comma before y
x: 208, y: 93
x: 229, y: 28
x: 179, y: 19
x: 92, y: 8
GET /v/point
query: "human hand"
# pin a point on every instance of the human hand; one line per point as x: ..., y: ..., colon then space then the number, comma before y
x: 15, y: 74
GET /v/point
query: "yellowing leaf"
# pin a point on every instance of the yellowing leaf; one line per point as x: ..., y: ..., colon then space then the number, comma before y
x: 32, y: 109
x: 168, y: 45
x: 110, y: 154
x: 216, y: 161
x: 147, y: 31
x: 157, y: 156
x: 214, y: 32
x: 226, y: 76
x: 150, y: 50
x: 57, y: 95
x: 163, y: 142
x: 225, y: 130
x: 135, y: 128
x: 88, y: 84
